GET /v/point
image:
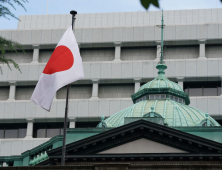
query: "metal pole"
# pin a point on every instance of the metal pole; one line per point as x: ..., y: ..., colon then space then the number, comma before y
x: 73, y: 13
x: 162, y: 26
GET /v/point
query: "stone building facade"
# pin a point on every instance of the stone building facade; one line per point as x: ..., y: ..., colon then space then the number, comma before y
x: 119, y: 52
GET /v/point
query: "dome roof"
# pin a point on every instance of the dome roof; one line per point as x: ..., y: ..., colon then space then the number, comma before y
x: 174, y: 114
x: 169, y: 99
x: 161, y: 82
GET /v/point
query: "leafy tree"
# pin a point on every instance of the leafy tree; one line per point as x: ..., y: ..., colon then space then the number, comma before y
x: 7, y: 45
x: 146, y: 3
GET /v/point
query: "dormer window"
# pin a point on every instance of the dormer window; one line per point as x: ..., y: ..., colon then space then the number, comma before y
x: 141, y: 99
x: 176, y: 99
x: 160, y: 97
x: 157, y: 96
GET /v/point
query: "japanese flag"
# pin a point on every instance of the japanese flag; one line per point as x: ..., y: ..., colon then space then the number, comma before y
x: 63, y: 67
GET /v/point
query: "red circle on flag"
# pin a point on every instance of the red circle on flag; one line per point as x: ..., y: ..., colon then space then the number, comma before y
x: 62, y: 59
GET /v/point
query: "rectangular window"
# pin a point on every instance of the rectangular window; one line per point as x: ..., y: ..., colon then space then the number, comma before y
x: 11, y: 133
x: 22, y: 133
x: 208, y: 88
x: 151, y: 97
x: 13, y: 130
x: 41, y: 133
x: 52, y: 132
x: 47, y: 130
x: 176, y: 99
x: 163, y: 96
x: 180, y: 100
x: 171, y: 97
x: 195, y: 91
x: 1, y: 133
x: 210, y: 92
x: 186, y: 90
x: 157, y: 96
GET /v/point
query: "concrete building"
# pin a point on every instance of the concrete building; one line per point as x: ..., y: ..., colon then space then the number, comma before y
x: 119, y: 52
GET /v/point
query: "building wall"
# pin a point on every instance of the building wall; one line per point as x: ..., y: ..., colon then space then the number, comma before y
x: 119, y: 51
x: 21, y: 111
x: 190, y: 68
x: 92, y: 20
x: 10, y: 147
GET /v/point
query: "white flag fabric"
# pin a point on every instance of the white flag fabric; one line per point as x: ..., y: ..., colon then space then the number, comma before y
x: 63, y: 67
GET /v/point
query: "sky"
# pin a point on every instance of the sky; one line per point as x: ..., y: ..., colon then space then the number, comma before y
x: 39, y: 7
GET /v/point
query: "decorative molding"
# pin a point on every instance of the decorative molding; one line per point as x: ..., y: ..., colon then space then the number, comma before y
x: 142, y: 129
x: 36, y: 46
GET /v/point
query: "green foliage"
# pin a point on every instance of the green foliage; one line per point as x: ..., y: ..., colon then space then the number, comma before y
x: 4, y: 10
x: 10, y: 46
x: 7, y: 45
x: 147, y: 3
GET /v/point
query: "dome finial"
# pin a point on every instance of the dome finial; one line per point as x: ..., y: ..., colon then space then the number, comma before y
x: 162, y: 27
x: 161, y: 66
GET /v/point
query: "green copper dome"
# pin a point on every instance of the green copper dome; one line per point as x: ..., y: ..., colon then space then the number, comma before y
x: 161, y: 99
x: 161, y: 81
x: 166, y: 100
x: 173, y: 113
x: 161, y: 85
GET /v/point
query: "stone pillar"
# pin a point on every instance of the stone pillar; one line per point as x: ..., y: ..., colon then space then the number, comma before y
x: 117, y: 51
x: 12, y: 90
x: 137, y: 85
x: 95, y: 89
x: 72, y: 123
x: 29, y: 132
x: 202, y: 49
x: 35, y: 59
x: 4, y: 164
x: 180, y: 81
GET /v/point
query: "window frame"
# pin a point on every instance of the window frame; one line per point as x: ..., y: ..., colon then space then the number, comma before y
x: 16, y: 126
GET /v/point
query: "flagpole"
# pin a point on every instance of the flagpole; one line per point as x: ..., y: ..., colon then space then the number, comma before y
x: 73, y: 13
